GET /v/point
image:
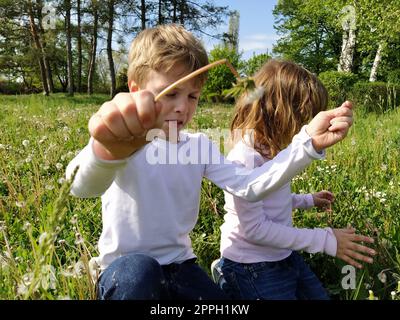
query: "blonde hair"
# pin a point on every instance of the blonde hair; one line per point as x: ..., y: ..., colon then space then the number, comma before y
x: 292, y: 96
x: 161, y: 48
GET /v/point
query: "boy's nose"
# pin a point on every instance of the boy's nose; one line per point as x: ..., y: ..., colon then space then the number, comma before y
x: 181, y: 107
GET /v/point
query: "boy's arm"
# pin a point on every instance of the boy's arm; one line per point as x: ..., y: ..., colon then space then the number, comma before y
x: 253, y: 185
x: 326, y: 129
x: 94, y: 175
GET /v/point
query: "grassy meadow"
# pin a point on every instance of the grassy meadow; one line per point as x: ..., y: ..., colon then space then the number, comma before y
x: 47, y: 238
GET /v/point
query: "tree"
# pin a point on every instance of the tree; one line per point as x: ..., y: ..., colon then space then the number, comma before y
x: 255, y: 63
x: 67, y: 4
x: 93, y: 47
x: 79, y: 40
x: 39, y: 48
x: 309, y: 32
x: 110, y: 30
x: 221, y: 78
x: 348, y: 21
x: 379, y: 29
x: 231, y: 38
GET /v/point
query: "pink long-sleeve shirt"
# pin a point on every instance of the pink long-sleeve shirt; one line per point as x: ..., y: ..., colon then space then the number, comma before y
x: 263, y: 231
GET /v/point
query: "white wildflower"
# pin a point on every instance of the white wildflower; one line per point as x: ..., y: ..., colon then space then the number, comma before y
x: 49, y: 187
x: 61, y: 180
x: 48, y: 278
x: 59, y: 166
x: 79, y: 239
x: 74, y: 219
x: 25, y: 143
x: 79, y: 267
x: 20, y: 204
x: 42, y: 238
x: 382, y: 277
x: 94, y: 268
x: 26, y: 226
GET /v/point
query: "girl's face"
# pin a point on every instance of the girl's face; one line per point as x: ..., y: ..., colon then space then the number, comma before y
x: 183, y: 99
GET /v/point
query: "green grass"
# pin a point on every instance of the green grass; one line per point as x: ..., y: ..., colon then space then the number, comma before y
x: 47, y: 237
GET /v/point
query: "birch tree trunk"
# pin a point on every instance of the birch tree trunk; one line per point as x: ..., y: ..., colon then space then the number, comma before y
x: 378, y: 58
x: 346, y: 56
x: 348, y: 21
x: 49, y: 74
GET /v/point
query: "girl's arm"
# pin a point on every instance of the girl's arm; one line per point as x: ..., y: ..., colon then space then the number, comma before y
x: 94, y: 175
x: 302, y: 201
x: 260, y: 230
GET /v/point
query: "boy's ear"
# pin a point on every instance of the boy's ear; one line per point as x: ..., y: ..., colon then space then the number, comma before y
x: 133, y: 87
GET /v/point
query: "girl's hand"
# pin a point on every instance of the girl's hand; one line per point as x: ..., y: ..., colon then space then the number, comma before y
x: 349, y: 250
x: 330, y: 127
x: 323, y: 200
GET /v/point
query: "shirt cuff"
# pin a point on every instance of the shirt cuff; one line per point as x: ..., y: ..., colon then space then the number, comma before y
x: 330, y: 243
x: 101, y: 162
x: 309, y: 200
x: 309, y: 148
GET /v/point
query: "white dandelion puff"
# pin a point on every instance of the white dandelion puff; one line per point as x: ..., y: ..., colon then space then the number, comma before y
x: 382, y: 277
x: 254, y: 95
x: 59, y: 166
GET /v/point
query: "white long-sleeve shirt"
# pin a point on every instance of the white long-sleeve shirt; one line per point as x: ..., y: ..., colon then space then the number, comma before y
x: 262, y: 231
x: 151, y: 208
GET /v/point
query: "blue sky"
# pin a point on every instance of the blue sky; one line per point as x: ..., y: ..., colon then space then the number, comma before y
x: 256, y: 31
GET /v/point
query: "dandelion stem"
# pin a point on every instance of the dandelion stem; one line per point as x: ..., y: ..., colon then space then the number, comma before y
x: 196, y: 73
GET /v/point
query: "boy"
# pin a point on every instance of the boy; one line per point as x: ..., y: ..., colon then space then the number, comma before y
x: 149, y: 208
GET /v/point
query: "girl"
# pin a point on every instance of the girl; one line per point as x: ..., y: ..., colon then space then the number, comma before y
x: 258, y: 240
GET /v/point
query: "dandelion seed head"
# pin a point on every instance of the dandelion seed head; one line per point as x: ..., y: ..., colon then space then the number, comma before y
x: 254, y: 95
x: 59, y: 166
x: 42, y: 238
x: 382, y: 277
x: 20, y: 204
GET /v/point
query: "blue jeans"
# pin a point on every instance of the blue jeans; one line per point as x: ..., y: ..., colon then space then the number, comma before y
x: 140, y: 277
x: 288, y: 279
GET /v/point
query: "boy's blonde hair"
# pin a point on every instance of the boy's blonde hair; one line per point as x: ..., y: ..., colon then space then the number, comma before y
x: 161, y: 48
x: 292, y: 97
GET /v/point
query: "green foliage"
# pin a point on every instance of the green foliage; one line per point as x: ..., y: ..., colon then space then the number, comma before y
x: 220, y: 78
x: 206, y: 234
x: 122, y: 80
x: 309, y: 32
x: 338, y: 85
x: 253, y: 64
x: 394, y: 76
x: 376, y: 96
x: 246, y: 85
